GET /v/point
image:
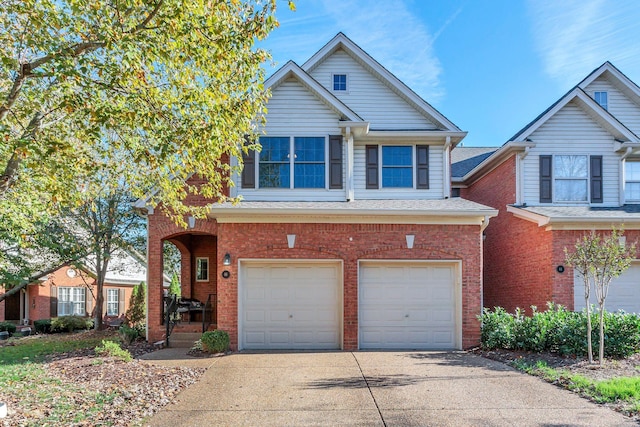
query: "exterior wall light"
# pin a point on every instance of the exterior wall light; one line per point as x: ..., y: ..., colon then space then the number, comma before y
x: 291, y: 240
x: 191, y: 221
x: 227, y: 259
x: 410, y: 239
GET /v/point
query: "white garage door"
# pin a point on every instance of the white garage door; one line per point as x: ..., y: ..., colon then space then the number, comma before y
x: 288, y: 305
x: 408, y: 306
x: 624, y: 292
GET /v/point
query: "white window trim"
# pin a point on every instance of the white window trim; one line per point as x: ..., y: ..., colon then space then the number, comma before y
x: 115, y: 292
x: 198, y: 259
x: 587, y: 179
x: 413, y: 167
x: 624, y: 180
x: 607, y: 95
x: 292, y: 146
x: 71, y: 290
x: 346, y: 90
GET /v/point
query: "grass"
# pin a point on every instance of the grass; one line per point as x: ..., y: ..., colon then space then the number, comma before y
x: 625, y: 390
x: 27, y: 386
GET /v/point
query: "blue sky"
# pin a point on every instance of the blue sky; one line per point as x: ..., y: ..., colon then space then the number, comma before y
x: 490, y: 66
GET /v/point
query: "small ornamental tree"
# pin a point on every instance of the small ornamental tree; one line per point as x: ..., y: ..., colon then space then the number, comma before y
x: 599, y: 259
x: 136, y: 312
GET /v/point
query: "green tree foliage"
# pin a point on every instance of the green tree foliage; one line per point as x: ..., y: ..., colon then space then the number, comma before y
x: 136, y: 312
x: 598, y: 259
x: 174, y: 286
x: 165, y: 87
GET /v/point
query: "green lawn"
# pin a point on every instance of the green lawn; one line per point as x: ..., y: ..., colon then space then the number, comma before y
x: 622, y: 390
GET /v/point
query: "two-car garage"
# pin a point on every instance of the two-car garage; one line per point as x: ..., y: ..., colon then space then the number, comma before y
x: 285, y: 304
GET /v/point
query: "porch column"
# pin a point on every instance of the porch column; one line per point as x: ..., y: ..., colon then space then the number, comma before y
x: 155, y: 303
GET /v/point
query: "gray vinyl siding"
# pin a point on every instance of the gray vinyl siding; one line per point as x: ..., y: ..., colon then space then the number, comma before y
x: 572, y: 131
x: 294, y: 111
x: 435, y: 178
x: 620, y: 106
x: 367, y: 96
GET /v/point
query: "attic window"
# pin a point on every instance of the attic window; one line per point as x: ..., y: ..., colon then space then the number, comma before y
x: 602, y: 99
x: 340, y: 82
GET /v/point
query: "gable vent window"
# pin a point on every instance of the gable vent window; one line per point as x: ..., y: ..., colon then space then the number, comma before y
x: 340, y: 82
x: 602, y: 99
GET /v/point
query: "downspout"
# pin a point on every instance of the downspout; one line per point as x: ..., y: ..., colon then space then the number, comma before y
x: 485, y: 223
x: 349, y: 171
x: 520, y: 175
x: 446, y: 178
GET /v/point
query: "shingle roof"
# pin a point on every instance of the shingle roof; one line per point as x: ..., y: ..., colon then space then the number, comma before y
x: 464, y: 159
x: 443, y: 207
x: 620, y: 213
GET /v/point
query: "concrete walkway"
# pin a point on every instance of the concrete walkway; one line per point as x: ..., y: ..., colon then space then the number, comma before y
x: 374, y: 389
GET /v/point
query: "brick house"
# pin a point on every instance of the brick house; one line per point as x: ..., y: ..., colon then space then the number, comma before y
x: 573, y: 169
x: 70, y: 290
x: 346, y: 237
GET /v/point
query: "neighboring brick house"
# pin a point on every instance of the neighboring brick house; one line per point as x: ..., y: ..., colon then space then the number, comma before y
x: 70, y: 290
x: 346, y: 237
x: 573, y: 169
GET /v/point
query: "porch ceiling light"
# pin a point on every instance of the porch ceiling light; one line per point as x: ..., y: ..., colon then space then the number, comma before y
x: 191, y: 222
x: 227, y: 259
x: 410, y: 238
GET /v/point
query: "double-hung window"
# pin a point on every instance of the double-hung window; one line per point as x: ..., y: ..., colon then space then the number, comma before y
x: 571, y: 178
x: 304, y: 156
x: 397, y: 166
x: 113, y: 302
x: 71, y: 301
x: 632, y: 180
x: 202, y: 269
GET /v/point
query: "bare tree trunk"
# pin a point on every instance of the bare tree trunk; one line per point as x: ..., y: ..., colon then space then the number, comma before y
x: 601, y: 352
x: 589, y: 328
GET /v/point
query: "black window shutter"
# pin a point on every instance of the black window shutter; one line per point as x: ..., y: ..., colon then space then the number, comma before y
x: 249, y: 170
x: 545, y: 179
x: 372, y: 166
x: 596, y: 179
x: 422, y: 166
x: 335, y: 161
x: 53, y: 298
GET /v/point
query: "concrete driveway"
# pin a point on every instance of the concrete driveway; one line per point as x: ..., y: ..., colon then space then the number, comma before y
x: 375, y: 389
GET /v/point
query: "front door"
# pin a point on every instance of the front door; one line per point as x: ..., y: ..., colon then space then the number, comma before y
x: 12, y: 307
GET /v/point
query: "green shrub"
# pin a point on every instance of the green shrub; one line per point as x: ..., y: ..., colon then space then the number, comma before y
x: 559, y: 330
x: 70, y: 323
x: 215, y: 341
x: 8, y: 326
x: 112, y: 349
x: 128, y: 334
x: 43, y: 326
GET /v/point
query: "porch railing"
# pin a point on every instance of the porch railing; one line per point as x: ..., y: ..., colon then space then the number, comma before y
x: 170, y: 315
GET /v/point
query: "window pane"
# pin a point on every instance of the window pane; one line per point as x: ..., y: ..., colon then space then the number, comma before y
x: 397, y: 156
x: 339, y: 82
x: 632, y: 191
x: 309, y: 149
x: 274, y: 175
x: 570, y: 167
x: 309, y: 175
x: 274, y: 149
x: 112, y: 302
x: 397, y: 177
x: 202, y: 269
x: 632, y: 171
x: 571, y: 190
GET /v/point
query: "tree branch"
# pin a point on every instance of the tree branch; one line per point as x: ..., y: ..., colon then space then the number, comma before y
x: 31, y: 279
x: 143, y: 25
x: 10, y: 173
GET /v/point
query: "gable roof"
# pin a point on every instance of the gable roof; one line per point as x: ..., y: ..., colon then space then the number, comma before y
x: 590, y: 106
x: 340, y: 41
x: 617, y: 77
x: 291, y: 69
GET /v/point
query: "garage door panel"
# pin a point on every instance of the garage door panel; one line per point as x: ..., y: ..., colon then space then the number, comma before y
x: 624, y: 292
x: 288, y: 305
x: 404, y: 305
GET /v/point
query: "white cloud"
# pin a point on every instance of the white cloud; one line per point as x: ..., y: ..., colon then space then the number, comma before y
x: 573, y: 37
x: 386, y: 30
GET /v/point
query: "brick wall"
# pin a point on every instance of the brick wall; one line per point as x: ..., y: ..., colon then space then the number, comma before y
x: 346, y: 242
x: 517, y: 253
